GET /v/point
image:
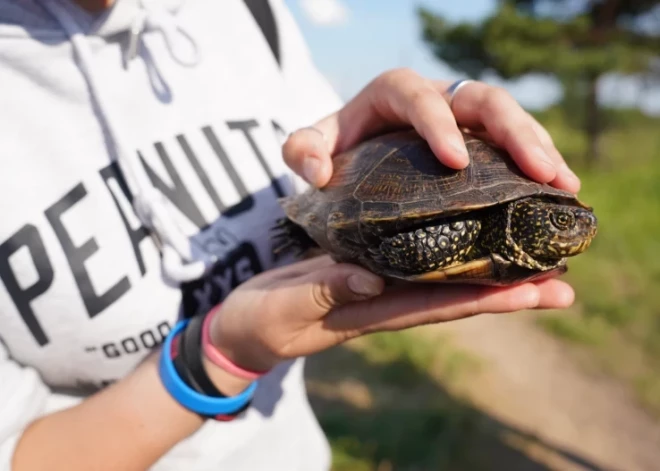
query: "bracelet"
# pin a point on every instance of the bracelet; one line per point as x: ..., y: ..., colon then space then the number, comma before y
x: 187, y: 396
x: 218, y: 358
x: 191, y: 356
x: 190, y: 359
x: 180, y: 364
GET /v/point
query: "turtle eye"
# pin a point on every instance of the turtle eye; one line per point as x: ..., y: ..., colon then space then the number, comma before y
x: 563, y: 220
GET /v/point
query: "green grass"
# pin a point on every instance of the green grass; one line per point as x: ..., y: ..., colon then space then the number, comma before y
x: 408, y: 355
x: 617, y: 315
x: 392, y: 401
x: 410, y: 420
x: 587, y: 332
x: 410, y: 414
x: 422, y: 438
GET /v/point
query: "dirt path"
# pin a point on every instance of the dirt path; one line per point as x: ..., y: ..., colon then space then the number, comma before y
x: 531, y: 383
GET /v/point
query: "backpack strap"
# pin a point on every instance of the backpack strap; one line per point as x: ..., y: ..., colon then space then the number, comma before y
x: 263, y: 14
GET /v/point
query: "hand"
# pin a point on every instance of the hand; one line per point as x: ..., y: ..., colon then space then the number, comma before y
x: 312, y: 305
x: 403, y: 98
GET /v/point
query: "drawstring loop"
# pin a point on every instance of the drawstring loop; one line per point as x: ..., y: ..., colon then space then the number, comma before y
x: 157, y: 18
x: 137, y: 27
x: 150, y: 205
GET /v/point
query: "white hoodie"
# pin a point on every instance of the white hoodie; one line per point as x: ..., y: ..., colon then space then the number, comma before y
x: 188, y: 132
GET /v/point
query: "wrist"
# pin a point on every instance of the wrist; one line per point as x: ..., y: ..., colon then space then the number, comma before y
x: 184, y: 375
x: 236, y: 344
x: 224, y: 381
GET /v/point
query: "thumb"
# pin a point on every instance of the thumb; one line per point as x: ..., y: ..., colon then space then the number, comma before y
x: 307, y: 153
x: 319, y: 292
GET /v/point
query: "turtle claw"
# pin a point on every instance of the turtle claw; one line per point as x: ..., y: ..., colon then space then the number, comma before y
x: 377, y: 256
x: 282, y: 225
x: 289, y: 238
x: 285, y: 245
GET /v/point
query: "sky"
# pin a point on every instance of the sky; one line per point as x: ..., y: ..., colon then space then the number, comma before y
x: 352, y: 41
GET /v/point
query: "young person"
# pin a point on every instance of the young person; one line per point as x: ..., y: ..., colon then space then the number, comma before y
x: 144, y: 145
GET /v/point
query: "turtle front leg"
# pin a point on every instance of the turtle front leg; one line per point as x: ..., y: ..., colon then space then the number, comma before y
x: 289, y: 238
x: 429, y: 248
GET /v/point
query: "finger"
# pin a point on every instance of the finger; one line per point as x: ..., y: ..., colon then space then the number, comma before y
x: 293, y: 270
x: 398, y: 98
x: 313, y: 295
x: 565, y: 178
x: 395, y: 99
x: 405, y: 97
x: 511, y: 128
x: 415, y: 306
x: 555, y: 294
x: 481, y: 106
x: 307, y: 153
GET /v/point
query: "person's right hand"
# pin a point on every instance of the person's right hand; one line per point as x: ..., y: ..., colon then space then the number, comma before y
x: 312, y: 305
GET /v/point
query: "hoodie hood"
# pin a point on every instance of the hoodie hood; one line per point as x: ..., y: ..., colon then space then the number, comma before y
x: 135, y: 18
x: 33, y: 15
x: 120, y: 17
x: 86, y: 293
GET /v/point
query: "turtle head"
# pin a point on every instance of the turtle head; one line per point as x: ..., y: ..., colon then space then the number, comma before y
x: 549, y: 231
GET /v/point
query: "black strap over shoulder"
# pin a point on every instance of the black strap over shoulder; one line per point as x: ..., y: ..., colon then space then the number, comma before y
x: 263, y: 14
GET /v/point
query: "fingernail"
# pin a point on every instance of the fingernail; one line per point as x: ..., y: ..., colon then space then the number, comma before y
x: 458, y: 145
x: 531, y: 298
x: 363, y: 286
x: 311, y: 167
x: 569, y: 174
x: 570, y: 178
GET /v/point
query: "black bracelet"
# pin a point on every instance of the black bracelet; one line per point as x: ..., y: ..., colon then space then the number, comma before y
x: 180, y: 367
x: 191, y: 352
x: 188, y: 364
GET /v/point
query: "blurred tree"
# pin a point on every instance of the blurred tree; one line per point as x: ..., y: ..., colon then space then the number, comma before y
x: 575, y: 41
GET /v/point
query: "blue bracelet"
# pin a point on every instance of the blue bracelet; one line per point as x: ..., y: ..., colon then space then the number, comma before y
x: 189, y: 398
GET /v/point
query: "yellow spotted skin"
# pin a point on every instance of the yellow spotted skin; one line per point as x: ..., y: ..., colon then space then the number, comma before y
x: 394, y: 209
x: 431, y: 247
x: 533, y: 233
x: 537, y: 233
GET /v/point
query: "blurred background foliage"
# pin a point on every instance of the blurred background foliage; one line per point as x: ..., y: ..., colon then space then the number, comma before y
x: 615, y: 151
x: 389, y: 401
x: 577, y: 42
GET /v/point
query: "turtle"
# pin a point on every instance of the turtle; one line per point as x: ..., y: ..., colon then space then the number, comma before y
x: 393, y: 208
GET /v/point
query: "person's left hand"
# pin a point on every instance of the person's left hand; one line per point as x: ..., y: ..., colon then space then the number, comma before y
x: 401, y: 97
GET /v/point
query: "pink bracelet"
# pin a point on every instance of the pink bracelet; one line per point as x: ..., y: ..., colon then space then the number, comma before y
x: 218, y: 358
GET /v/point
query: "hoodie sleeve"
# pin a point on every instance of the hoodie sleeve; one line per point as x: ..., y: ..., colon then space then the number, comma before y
x: 23, y: 398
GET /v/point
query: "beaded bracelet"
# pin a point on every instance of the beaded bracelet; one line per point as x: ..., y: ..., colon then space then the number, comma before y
x: 213, y: 354
x: 187, y: 396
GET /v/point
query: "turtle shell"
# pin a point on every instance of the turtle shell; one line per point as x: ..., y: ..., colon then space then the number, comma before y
x: 394, y: 182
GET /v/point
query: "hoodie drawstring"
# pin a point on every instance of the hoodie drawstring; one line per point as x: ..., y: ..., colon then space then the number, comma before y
x: 153, y: 17
x: 150, y: 205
